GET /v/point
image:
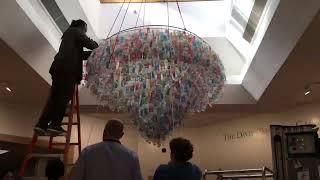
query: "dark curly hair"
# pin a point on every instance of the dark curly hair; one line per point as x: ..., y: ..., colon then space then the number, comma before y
x: 78, y: 23
x: 54, y: 169
x: 181, y: 149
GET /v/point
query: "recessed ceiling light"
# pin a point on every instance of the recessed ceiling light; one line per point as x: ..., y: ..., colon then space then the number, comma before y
x: 307, y: 89
x: 8, y: 89
x: 307, y: 92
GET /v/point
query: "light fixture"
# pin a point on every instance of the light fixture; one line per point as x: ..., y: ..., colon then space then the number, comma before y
x: 307, y: 88
x: 8, y: 89
x: 5, y: 86
x: 307, y: 92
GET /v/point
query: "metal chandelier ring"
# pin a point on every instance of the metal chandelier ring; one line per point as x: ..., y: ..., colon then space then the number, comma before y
x: 157, y: 27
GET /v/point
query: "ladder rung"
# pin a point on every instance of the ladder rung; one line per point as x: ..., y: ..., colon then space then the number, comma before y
x: 62, y: 144
x: 38, y: 155
x: 34, y: 177
x: 68, y: 108
x: 47, y: 134
x: 66, y: 123
x: 66, y: 114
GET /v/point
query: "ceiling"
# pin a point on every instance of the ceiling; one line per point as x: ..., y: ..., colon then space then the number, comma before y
x: 26, y: 85
x: 301, y: 68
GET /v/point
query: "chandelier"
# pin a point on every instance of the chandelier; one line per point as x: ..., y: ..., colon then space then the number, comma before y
x: 156, y: 73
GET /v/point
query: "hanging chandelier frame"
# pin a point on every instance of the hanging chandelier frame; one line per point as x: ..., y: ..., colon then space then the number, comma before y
x: 156, y: 109
x: 158, y: 27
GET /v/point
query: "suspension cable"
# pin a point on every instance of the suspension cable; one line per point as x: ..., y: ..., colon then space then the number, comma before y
x: 184, y: 26
x: 116, y: 40
x: 168, y: 15
x: 115, y: 20
x: 124, y: 17
x: 144, y: 11
x: 139, y: 14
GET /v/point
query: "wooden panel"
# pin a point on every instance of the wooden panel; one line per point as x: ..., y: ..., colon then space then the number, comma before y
x: 150, y: 1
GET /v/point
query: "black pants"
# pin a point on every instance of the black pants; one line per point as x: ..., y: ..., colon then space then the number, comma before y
x: 62, y: 90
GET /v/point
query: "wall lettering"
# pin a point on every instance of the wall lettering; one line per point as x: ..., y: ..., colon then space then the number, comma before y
x: 244, y: 134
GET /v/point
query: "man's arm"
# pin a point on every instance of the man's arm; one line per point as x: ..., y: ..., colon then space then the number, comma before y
x: 136, y: 168
x: 85, y: 41
x: 79, y: 169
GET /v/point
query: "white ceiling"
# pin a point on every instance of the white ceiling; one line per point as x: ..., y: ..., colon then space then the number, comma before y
x: 208, y: 19
x: 204, y: 18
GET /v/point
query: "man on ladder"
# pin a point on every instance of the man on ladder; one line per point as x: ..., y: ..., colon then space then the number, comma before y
x: 66, y: 73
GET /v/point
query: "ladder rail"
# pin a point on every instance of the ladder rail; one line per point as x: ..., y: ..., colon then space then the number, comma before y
x: 78, y: 120
x: 29, y: 152
x: 74, y: 106
x: 69, y: 128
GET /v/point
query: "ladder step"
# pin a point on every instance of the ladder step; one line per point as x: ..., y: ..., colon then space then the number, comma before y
x: 67, y: 114
x: 66, y: 123
x: 47, y: 134
x: 39, y: 155
x: 62, y: 144
x: 34, y: 178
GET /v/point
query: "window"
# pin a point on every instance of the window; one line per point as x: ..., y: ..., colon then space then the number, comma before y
x: 56, y: 14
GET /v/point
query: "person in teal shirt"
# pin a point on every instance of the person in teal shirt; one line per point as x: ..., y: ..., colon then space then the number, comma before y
x: 179, y: 168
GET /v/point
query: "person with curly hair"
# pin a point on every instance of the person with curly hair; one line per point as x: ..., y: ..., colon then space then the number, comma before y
x: 179, y: 168
x: 55, y: 169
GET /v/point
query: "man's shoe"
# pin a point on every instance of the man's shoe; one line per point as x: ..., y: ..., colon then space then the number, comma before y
x: 39, y: 130
x: 57, y: 130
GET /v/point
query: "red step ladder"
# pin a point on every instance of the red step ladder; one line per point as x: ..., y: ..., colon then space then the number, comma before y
x: 74, y: 106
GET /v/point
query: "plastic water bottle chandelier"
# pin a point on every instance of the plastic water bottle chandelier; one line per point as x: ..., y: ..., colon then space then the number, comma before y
x: 157, y: 73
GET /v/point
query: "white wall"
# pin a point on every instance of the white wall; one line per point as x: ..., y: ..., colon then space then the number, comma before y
x: 92, y: 9
x: 19, y: 32
x: 230, y: 57
x: 18, y: 120
x: 42, y: 20
x: 72, y: 9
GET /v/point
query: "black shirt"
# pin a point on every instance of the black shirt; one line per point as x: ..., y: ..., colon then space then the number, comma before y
x: 68, y: 61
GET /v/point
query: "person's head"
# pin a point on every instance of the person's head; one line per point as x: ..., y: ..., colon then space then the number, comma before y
x: 80, y: 24
x: 113, y: 130
x: 54, y: 169
x: 7, y: 175
x: 181, y: 150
